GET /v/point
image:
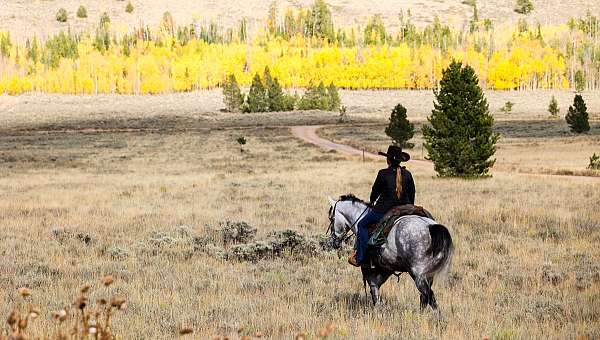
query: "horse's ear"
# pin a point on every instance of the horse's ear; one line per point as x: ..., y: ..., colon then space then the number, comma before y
x: 331, y: 201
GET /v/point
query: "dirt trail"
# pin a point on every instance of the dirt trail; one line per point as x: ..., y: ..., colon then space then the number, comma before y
x: 308, y: 133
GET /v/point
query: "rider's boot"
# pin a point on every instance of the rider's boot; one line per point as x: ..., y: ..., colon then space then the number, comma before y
x: 352, y: 260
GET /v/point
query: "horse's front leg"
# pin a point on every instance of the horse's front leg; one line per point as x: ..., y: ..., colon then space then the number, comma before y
x: 375, y: 278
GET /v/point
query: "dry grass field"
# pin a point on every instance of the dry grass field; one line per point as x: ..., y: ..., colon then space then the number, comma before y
x: 25, y: 18
x: 144, y: 199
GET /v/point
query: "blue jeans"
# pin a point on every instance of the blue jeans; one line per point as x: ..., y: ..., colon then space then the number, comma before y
x: 371, y: 216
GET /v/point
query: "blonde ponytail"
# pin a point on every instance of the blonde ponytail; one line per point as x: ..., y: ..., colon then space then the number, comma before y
x: 399, y: 182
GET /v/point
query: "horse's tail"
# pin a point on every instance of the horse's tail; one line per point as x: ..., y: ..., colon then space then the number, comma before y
x: 441, y: 250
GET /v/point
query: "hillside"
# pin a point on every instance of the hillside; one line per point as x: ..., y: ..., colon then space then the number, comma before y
x: 25, y: 18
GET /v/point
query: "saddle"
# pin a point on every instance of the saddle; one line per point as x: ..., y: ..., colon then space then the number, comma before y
x: 379, y: 231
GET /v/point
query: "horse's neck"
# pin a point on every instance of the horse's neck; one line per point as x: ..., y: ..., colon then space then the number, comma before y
x: 352, y: 212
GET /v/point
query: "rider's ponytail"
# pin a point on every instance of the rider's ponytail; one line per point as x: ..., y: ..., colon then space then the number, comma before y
x: 399, y: 182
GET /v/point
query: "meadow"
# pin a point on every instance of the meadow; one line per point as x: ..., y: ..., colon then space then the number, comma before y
x: 91, y: 191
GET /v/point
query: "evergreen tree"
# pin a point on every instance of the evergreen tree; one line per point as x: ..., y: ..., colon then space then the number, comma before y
x: 129, y: 7
x: 275, y: 94
x: 320, y: 23
x: 399, y: 129
x: 524, y: 6
x: 61, y: 15
x: 81, y: 12
x: 104, y: 20
x: 553, y: 107
x: 334, y: 100
x: 257, y: 96
x: 577, y: 117
x: 315, y: 98
x: 460, y: 140
x: 579, y: 81
x: 232, y: 95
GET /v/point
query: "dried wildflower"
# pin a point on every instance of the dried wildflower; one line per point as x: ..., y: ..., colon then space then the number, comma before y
x: 102, y: 301
x: 81, y: 302
x: 117, y: 302
x: 107, y: 280
x: 24, y: 291
x: 13, y: 318
x: 245, y: 337
x: 258, y: 334
x: 60, y: 316
x: 323, y: 333
x: 85, y: 289
x: 23, y: 323
x: 185, y: 331
x: 301, y: 336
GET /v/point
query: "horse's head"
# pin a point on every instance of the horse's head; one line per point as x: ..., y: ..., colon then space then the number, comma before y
x: 338, y: 224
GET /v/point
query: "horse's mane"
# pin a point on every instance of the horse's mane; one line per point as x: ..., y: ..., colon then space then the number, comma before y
x: 354, y: 199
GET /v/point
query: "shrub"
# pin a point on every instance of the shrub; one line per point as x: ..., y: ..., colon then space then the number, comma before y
x: 81, y: 12
x: 241, y: 141
x: 232, y: 95
x: 129, y: 7
x: 553, y: 107
x: 594, y: 162
x: 460, y: 140
x: 257, y: 97
x: 237, y: 232
x: 579, y: 81
x: 399, y: 129
x: 577, y: 117
x: 61, y: 15
x: 524, y: 6
x: 507, y: 108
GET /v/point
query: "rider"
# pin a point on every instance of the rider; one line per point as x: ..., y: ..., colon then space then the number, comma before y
x: 394, y: 186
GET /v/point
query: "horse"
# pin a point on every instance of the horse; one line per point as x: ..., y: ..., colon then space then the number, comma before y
x: 416, y: 245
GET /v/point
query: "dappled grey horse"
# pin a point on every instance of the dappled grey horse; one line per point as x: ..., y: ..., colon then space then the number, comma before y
x: 416, y: 245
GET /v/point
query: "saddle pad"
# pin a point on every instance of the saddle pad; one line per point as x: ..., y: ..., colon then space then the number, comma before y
x: 381, y: 231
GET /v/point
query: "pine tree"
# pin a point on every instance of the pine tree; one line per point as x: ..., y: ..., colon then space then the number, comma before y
x: 579, y: 81
x: 61, y: 15
x: 232, y: 96
x: 334, y: 99
x: 577, y: 117
x: 257, y: 96
x: 399, y: 129
x: 275, y: 94
x: 553, y: 107
x: 315, y: 98
x: 81, y: 12
x: 460, y: 140
x: 524, y: 6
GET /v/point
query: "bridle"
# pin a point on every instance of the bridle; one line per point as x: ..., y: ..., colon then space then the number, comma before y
x: 346, y: 235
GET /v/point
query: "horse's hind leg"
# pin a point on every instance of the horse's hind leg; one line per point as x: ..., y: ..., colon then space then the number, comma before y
x: 427, y: 296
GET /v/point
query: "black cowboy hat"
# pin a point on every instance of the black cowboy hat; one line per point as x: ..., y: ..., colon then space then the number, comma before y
x: 395, y: 153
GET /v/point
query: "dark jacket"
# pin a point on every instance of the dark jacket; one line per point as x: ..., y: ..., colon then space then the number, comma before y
x: 384, y: 188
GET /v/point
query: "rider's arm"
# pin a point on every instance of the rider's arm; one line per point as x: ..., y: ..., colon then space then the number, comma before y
x: 377, y: 188
x: 410, y: 187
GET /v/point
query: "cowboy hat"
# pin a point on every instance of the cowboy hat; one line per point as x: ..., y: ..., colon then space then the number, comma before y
x: 395, y: 153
